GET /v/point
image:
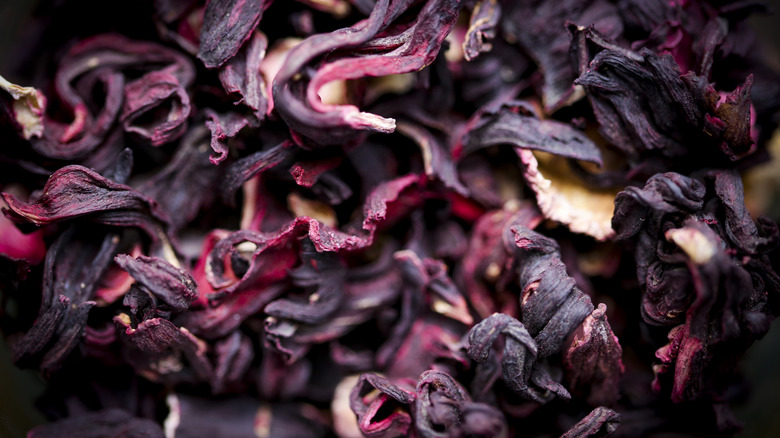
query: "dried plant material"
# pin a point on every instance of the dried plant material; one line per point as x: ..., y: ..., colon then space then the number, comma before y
x: 29, y: 105
x: 564, y: 199
x: 211, y: 224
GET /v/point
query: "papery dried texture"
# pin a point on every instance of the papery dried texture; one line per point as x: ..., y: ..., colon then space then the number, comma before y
x: 384, y: 409
x: 171, y: 284
x: 193, y: 417
x: 363, y: 300
x: 551, y: 304
x: 109, y: 423
x: 516, y: 123
x: 322, y: 312
x: 592, y: 357
x: 482, y: 28
x: 701, y: 259
x: 24, y: 110
x: 639, y: 212
x: 601, y: 422
x: 227, y: 24
x: 73, y: 266
x: 702, y: 352
x: 252, y: 165
x: 485, y: 267
x: 564, y: 196
x: 321, y: 276
x: 539, y: 27
x: 437, y: 159
x: 518, y: 359
x: 106, y: 59
x: 223, y: 127
x: 559, y: 195
x: 75, y: 191
x: 270, y: 255
x: 407, y: 49
x: 241, y: 76
x: 620, y: 84
x: 163, y: 352
x: 151, y: 91
x: 444, y: 409
x: 184, y: 187
x: 324, y: 238
x: 433, y: 319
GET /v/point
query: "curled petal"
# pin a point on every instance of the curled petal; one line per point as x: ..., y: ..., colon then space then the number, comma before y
x: 601, y: 422
x: 173, y: 285
x: 382, y: 407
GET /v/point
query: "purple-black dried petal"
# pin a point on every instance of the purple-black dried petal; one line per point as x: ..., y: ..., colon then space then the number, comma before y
x: 173, y: 285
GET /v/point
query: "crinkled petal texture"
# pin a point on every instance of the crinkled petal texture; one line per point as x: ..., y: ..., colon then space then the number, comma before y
x: 402, y: 49
x: 172, y: 285
x: 386, y: 218
x: 600, y: 422
x: 715, y: 289
x: 76, y: 191
x: 548, y: 42
x: 544, y: 148
x: 227, y: 24
x: 646, y: 107
x: 106, y: 80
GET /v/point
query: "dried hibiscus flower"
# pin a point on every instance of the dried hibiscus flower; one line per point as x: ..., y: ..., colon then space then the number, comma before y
x: 387, y: 218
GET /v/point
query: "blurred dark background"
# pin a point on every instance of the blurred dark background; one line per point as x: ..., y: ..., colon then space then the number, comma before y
x: 18, y: 389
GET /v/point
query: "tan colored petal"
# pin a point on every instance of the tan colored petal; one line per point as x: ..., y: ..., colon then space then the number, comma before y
x: 313, y: 209
x: 762, y: 183
x: 565, y: 199
x: 29, y: 106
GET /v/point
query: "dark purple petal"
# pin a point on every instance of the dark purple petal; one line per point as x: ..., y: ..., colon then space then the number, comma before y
x: 383, y: 408
x: 519, y: 352
x: 223, y: 127
x: 487, y: 262
x: 482, y: 28
x: 102, y: 62
x: 601, y: 422
x: 416, y: 47
x: 443, y: 408
x: 227, y: 24
x: 592, y: 357
x: 241, y: 77
x: 517, y: 124
x: 539, y: 27
x: 173, y: 285
x: 247, y: 167
x: 184, y: 187
x: 158, y: 349
x: 156, y: 91
x: 75, y: 191
x: 741, y: 231
x: 35, y: 340
x: 551, y: 304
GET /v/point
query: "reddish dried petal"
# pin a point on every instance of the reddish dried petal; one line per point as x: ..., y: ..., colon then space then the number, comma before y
x: 173, y: 285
